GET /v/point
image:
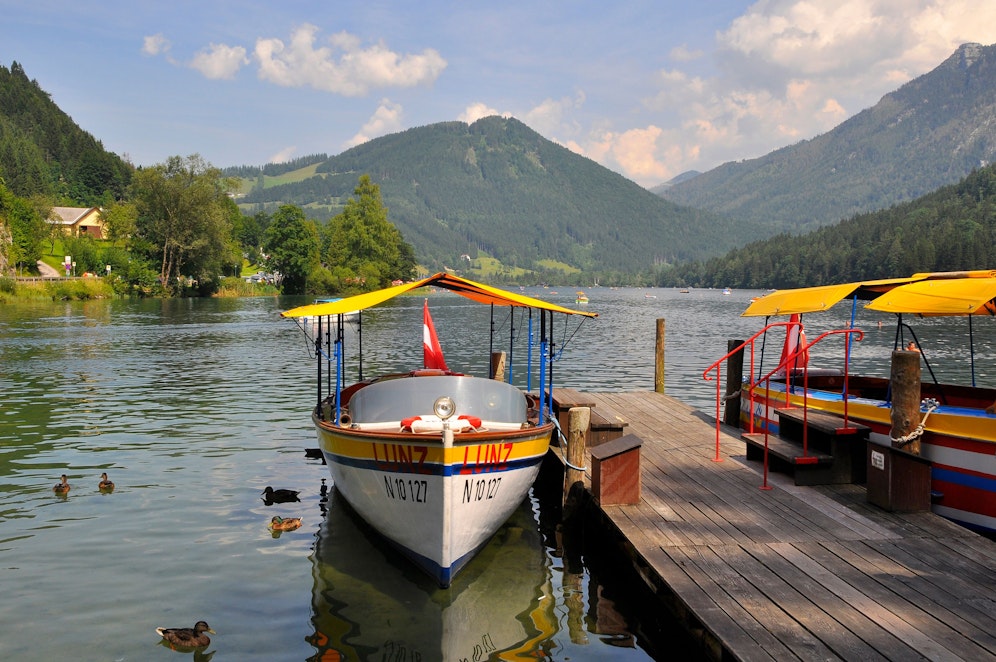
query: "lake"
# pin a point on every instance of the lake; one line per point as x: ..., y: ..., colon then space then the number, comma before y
x: 194, y: 406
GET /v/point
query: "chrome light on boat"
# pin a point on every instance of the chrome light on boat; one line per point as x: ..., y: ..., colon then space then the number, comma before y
x: 444, y: 407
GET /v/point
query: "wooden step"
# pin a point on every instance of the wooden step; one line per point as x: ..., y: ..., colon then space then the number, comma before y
x: 783, y: 450
x: 823, y: 422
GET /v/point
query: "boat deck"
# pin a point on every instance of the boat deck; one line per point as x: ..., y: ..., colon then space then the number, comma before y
x: 794, y: 572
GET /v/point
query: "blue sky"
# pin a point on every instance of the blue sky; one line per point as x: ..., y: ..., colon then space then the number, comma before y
x: 649, y: 89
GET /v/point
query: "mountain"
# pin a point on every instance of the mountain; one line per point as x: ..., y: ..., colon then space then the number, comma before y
x: 930, y: 132
x: 950, y: 229
x: 499, y: 188
x: 43, y: 152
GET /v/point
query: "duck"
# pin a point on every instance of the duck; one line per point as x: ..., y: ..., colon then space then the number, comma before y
x: 62, y: 487
x: 271, y: 495
x: 279, y: 523
x: 187, y: 637
x: 105, y: 484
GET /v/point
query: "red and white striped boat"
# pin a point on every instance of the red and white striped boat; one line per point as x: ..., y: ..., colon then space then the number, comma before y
x: 959, y: 421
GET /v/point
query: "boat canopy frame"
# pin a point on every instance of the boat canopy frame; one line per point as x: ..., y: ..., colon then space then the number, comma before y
x: 331, y: 331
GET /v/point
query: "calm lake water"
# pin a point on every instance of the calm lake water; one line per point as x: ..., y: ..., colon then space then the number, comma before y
x: 194, y: 406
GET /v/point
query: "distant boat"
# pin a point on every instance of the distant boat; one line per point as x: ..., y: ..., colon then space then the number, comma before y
x: 683, y: 290
x: 581, y: 297
x: 649, y: 296
x: 727, y: 290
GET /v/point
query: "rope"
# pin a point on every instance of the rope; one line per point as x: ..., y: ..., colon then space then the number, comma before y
x: 908, y: 439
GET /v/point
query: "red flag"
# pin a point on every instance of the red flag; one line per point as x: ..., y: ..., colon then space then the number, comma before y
x: 432, y: 353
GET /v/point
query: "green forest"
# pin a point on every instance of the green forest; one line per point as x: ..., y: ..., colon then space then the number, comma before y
x: 951, y: 229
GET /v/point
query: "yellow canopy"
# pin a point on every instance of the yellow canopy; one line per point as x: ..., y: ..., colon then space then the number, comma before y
x: 471, y: 290
x: 959, y: 296
x: 824, y: 297
x: 816, y: 299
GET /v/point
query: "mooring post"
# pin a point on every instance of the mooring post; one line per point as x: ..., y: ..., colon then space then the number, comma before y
x: 734, y: 380
x: 578, y: 420
x: 659, y: 358
x: 905, y: 416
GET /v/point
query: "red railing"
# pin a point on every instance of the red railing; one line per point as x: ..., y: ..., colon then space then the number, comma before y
x: 783, y: 366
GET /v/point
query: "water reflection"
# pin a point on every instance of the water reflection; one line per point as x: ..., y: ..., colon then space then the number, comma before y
x: 370, y: 603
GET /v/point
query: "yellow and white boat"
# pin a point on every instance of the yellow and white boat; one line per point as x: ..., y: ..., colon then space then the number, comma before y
x: 434, y: 460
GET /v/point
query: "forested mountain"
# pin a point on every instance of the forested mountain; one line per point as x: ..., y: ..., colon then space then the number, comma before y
x: 498, y: 187
x: 929, y: 133
x: 43, y: 152
x: 951, y: 229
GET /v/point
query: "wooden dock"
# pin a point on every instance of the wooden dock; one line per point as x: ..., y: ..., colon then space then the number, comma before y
x: 793, y: 572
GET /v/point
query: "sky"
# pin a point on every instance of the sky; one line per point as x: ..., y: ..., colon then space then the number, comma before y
x: 649, y: 89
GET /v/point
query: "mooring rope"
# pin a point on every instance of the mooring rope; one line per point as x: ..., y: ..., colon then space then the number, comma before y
x: 908, y: 439
x: 563, y: 456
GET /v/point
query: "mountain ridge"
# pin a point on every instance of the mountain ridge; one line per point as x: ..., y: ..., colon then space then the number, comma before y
x: 928, y: 133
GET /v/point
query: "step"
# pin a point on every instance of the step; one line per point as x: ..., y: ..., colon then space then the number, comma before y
x: 786, y: 451
x: 823, y: 422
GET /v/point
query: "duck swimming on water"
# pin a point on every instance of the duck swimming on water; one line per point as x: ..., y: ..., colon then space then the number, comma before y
x: 285, y: 523
x: 187, y: 637
x: 105, y: 485
x: 62, y: 487
x: 271, y: 495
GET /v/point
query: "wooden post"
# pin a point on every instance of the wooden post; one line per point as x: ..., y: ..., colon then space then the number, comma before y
x: 659, y: 358
x: 498, y: 366
x: 578, y: 419
x: 734, y: 380
x: 905, y: 379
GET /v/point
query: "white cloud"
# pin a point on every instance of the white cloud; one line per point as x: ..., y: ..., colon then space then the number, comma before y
x: 476, y: 111
x: 155, y: 44
x: 386, y: 119
x: 220, y: 61
x: 344, y: 66
x: 788, y: 70
x: 283, y: 155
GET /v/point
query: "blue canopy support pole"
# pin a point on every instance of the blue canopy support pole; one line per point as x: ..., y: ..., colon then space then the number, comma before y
x: 552, y: 349
x: 319, y: 358
x: 542, y: 371
x: 529, y: 354
x: 339, y: 366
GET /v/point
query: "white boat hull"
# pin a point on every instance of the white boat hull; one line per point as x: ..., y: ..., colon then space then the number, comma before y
x: 438, y: 504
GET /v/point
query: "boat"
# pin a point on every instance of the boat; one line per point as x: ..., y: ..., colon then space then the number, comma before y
x: 727, y: 291
x: 434, y: 460
x: 958, y: 420
x: 581, y: 297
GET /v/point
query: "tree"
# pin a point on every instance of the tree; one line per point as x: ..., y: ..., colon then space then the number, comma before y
x: 27, y: 228
x: 121, y: 219
x: 365, y: 250
x: 291, y: 241
x: 183, y: 219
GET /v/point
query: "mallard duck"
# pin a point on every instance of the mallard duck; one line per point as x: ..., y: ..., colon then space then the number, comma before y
x: 62, y: 487
x: 105, y: 484
x: 187, y: 637
x: 279, y: 523
x: 271, y: 495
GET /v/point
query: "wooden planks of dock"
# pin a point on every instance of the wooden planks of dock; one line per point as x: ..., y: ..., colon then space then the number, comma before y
x: 794, y: 572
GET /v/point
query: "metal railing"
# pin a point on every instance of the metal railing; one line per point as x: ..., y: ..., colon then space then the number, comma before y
x: 753, y: 385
